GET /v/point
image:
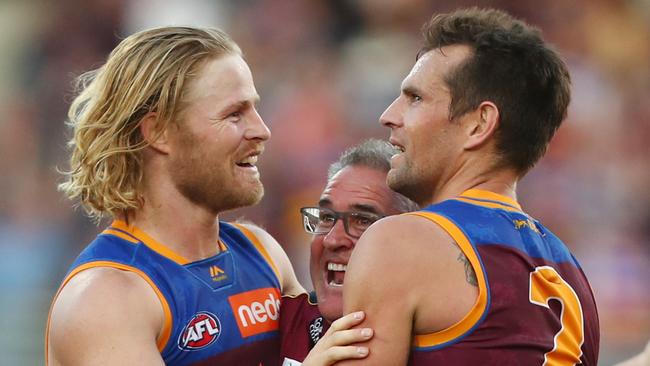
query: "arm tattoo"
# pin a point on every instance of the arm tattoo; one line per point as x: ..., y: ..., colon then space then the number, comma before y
x: 470, y: 275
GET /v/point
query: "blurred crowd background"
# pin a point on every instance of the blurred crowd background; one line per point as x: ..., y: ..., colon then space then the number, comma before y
x: 326, y: 69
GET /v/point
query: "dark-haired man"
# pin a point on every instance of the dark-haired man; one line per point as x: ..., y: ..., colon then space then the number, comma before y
x: 473, y: 279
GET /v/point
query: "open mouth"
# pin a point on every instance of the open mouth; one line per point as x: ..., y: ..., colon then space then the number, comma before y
x: 399, y: 148
x: 248, y: 162
x: 336, y: 274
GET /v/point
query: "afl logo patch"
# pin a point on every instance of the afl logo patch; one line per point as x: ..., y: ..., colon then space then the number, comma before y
x: 201, y: 331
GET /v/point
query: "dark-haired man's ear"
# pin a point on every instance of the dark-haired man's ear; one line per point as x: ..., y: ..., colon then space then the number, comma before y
x: 154, y: 133
x: 483, y: 126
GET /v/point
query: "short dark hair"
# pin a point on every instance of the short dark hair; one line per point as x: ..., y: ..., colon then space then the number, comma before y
x: 375, y: 154
x: 511, y: 66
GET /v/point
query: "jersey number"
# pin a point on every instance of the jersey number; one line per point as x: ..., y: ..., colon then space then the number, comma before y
x: 546, y: 284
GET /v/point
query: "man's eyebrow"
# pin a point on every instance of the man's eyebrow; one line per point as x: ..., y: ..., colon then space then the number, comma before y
x: 366, y: 208
x: 324, y: 202
x: 410, y: 90
x: 244, y: 103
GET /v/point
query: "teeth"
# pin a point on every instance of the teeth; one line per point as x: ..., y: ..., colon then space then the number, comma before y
x: 252, y: 160
x: 399, y: 148
x: 337, y: 267
x: 332, y: 283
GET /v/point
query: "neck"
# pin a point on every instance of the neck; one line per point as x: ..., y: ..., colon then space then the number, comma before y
x: 501, y: 181
x: 189, y: 230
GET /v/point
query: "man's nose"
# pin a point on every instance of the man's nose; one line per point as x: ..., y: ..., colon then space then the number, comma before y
x: 257, y: 129
x: 337, y: 237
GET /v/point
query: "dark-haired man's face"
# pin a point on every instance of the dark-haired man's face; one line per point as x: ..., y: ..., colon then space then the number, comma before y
x: 429, y: 143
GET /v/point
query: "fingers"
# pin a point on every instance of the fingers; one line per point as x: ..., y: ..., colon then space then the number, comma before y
x: 335, y: 354
x: 348, y: 336
x: 337, y: 343
x: 347, y: 321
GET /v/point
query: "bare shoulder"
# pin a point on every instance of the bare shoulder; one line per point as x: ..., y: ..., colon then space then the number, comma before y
x: 404, y: 234
x: 290, y: 284
x: 265, y: 238
x: 383, y: 279
x: 100, y: 310
x: 396, y: 258
x: 396, y: 242
x: 269, y: 243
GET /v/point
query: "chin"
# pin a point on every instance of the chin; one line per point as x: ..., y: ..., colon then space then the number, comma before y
x: 331, y: 312
x: 249, y: 196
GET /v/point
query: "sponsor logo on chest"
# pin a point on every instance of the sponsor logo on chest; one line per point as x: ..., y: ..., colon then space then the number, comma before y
x: 256, y: 311
x: 202, y: 330
x: 315, y: 330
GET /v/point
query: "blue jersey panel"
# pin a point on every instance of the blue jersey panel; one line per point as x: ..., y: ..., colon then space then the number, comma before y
x: 220, y: 308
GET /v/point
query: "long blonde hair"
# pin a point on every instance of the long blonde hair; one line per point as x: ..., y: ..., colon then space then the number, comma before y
x: 146, y: 72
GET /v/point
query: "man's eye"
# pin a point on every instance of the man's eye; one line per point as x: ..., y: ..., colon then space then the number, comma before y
x: 235, y: 115
x: 327, y: 218
x: 362, y: 220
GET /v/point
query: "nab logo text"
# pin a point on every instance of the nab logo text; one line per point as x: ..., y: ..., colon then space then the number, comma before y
x: 256, y: 311
x: 201, y: 331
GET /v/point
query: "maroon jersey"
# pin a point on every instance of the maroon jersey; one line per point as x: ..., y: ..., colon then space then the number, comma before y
x: 301, y: 326
x: 534, y: 307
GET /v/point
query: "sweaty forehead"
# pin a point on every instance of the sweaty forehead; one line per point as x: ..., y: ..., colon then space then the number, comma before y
x: 356, y: 188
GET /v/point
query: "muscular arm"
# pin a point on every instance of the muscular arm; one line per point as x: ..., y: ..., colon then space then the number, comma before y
x: 105, y: 316
x: 405, y: 275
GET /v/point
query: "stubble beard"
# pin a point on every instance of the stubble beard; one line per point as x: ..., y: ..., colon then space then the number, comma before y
x: 214, y: 192
x: 409, y: 183
x: 205, y: 181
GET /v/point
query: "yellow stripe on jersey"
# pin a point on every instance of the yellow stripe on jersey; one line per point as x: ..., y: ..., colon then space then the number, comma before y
x: 260, y: 248
x: 164, y: 335
x: 120, y: 235
x: 480, y: 306
x: 150, y: 242
x: 487, y: 195
x: 487, y: 204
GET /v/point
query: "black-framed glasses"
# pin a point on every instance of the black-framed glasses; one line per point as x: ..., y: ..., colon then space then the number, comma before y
x: 317, y: 220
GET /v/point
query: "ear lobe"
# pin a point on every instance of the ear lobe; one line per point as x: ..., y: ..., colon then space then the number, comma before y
x: 154, y: 133
x: 484, y: 127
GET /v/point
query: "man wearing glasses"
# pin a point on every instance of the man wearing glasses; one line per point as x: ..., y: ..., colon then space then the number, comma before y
x: 356, y: 195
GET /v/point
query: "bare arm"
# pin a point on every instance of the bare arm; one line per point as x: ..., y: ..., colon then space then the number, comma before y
x: 405, y: 275
x: 105, y: 316
x: 377, y: 283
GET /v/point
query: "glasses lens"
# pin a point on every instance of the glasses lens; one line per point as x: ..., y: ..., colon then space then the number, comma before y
x: 318, y: 220
x: 326, y: 220
x: 310, y: 219
x: 358, y: 222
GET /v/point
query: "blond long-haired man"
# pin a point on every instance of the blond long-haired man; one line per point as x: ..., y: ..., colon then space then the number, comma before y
x: 166, y: 136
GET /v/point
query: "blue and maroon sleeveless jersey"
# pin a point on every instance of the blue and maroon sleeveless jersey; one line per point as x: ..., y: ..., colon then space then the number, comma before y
x: 223, y: 310
x: 534, y: 306
x: 301, y: 326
